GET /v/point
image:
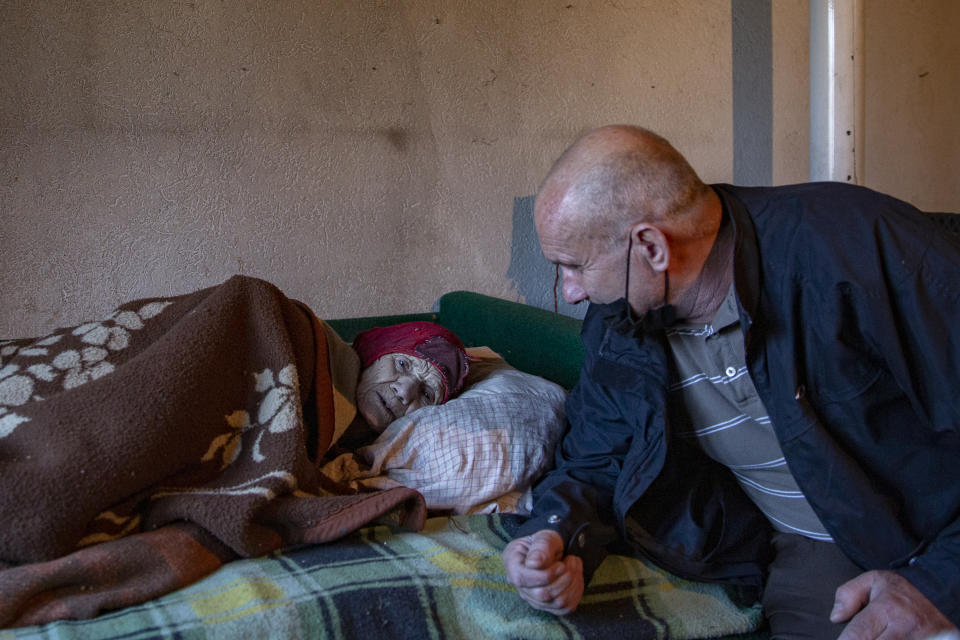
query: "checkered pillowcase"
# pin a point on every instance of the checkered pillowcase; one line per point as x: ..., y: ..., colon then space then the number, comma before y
x: 480, y: 451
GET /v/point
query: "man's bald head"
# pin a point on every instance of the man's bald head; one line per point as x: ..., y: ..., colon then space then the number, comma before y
x: 615, y: 176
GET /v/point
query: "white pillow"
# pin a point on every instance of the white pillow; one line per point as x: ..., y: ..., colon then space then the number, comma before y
x: 480, y: 451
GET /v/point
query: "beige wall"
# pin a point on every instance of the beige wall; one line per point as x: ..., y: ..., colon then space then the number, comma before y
x: 912, y: 101
x: 364, y: 156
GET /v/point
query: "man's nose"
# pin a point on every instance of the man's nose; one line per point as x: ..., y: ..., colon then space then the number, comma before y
x: 571, y: 289
x: 406, y: 388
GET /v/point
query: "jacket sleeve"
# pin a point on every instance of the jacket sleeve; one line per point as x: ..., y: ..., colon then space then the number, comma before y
x: 917, y: 330
x: 576, y: 498
x: 894, y: 407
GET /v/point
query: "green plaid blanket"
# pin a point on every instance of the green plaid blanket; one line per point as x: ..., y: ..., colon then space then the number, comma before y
x: 446, y: 581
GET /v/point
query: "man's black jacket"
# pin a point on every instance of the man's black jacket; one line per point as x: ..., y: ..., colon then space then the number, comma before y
x: 848, y: 300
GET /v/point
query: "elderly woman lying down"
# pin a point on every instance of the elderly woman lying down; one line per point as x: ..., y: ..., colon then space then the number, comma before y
x: 139, y: 453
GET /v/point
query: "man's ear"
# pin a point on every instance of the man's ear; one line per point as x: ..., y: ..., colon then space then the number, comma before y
x: 652, y: 245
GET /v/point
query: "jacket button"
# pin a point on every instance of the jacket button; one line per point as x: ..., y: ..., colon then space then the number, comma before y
x: 553, y: 519
x: 801, y: 391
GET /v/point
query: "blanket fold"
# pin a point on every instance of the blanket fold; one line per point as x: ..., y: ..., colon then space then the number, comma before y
x: 142, y: 451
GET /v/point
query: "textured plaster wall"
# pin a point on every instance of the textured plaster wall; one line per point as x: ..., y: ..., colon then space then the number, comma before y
x: 364, y: 156
x: 369, y: 156
x: 912, y: 101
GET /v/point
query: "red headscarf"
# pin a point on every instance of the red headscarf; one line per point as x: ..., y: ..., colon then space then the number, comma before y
x: 420, y: 339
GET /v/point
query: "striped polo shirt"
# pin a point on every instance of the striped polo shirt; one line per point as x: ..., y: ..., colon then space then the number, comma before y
x: 714, y: 403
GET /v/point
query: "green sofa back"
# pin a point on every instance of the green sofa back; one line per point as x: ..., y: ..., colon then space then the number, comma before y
x: 531, y: 339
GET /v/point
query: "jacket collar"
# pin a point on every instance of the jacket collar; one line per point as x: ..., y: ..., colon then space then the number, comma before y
x: 746, y: 256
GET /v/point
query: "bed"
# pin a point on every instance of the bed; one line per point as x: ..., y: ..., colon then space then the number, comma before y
x: 445, y: 580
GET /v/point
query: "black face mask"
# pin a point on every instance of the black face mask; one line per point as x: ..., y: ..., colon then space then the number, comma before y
x: 624, y: 321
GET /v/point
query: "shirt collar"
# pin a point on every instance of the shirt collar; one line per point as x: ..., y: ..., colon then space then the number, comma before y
x: 727, y: 314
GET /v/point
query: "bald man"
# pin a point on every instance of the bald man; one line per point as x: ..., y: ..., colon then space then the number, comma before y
x: 768, y: 398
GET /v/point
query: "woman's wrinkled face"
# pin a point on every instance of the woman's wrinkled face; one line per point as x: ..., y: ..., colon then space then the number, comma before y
x: 394, y: 385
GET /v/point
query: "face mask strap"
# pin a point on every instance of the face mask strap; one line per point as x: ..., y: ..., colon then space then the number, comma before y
x: 626, y: 286
x: 556, y: 281
x: 654, y: 319
x: 666, y: 287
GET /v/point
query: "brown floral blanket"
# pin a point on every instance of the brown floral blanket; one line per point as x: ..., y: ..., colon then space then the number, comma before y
x: 139, y: 453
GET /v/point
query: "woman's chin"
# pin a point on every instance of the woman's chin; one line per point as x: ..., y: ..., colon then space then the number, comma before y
x: 374, y: 420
